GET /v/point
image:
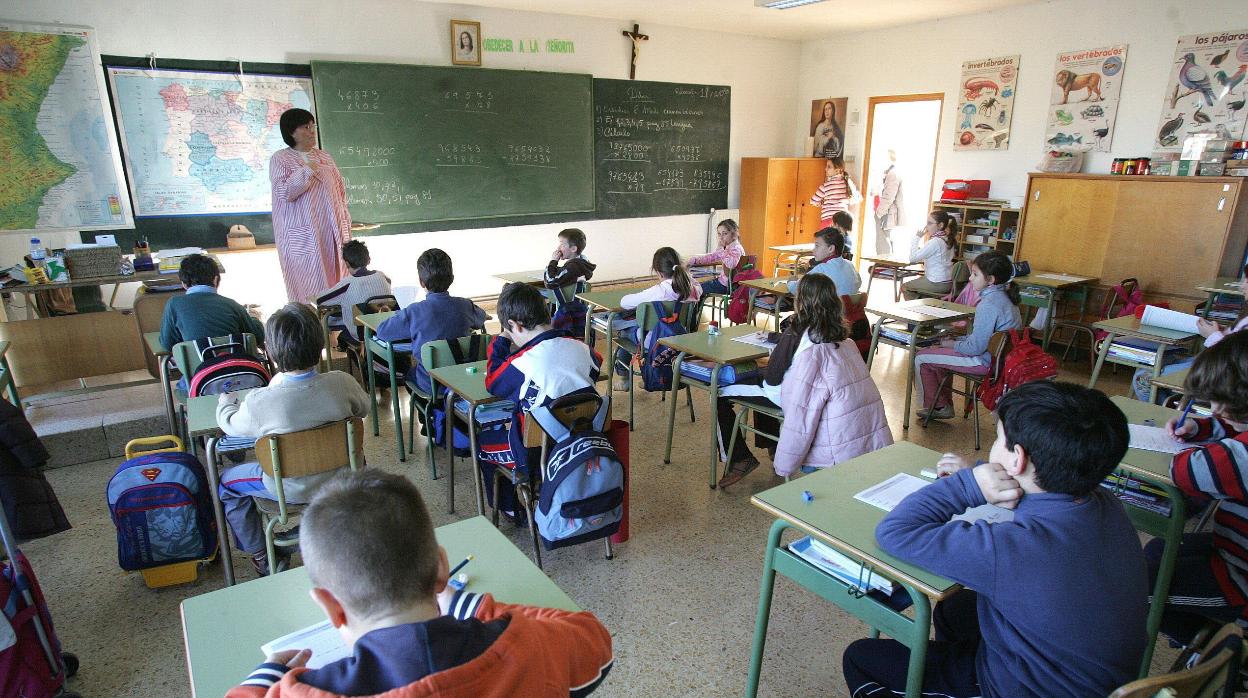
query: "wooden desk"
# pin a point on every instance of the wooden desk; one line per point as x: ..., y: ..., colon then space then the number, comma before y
x: 470, y: 385
x: 152, y: 340
x: 719, y: 349
x: 535, y: 277
x: 894, y: 268
x: 916, y: 323
x: 777, y: 286
x: 1153, y: 467
x: 371, y: 345
x: 1223, y: 285
x: 1172, y: 381
x: 115, y: 280
x: 1041, y: 289
x: 1130, y: 326
x: 837, y: 519
x: 223, y: 630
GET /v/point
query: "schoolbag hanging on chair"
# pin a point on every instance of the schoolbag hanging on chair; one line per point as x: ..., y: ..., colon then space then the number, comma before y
x: 657, y: 359
x: 226, y: 367
x: 1024, y: 362
x: 739, y: 305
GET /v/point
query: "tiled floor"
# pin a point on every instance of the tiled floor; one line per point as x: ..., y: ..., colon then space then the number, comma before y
x: 679, y: 598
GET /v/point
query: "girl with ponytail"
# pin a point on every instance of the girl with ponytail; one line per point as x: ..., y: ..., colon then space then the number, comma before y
x: 934, y: 246
x: 675, y: 284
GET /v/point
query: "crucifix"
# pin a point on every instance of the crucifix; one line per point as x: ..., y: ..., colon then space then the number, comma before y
x: 637, y: 37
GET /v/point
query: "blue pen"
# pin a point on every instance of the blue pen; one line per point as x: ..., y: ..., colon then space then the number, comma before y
x: 1186, y: 411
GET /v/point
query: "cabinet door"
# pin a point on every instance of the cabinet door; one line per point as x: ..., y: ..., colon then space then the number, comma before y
x: 1066, y: 225
x: 754, y: 215
x: 810, y: 174
x: 781, y: 181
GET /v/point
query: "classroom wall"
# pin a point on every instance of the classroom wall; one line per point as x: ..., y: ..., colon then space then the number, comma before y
x: 759, y: 70
x: 928, y: 57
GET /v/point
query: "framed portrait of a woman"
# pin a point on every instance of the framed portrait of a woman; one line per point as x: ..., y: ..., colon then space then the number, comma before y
x: 827, y: 127
x: 465, y: 42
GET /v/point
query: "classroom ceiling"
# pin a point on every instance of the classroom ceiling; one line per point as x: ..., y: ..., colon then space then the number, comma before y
x: 742, y: 17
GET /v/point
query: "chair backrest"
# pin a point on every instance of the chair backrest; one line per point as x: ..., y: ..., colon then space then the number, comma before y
x: 997, y: 345
x: 1217, y: 665
x: 646, y: 319
x: 437, y: 353
x: 188, y: 360
x: 1128, y: 286
x: 568, y: 293
x: 576, y: 412
x: 314, y: 450
x: 376, y: 304
x: 960, y: 275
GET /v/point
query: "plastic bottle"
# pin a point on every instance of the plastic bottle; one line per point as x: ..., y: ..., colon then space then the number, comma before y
x: 38, y: 255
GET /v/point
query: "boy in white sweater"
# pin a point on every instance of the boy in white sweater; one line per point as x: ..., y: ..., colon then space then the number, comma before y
x: 298, y: 398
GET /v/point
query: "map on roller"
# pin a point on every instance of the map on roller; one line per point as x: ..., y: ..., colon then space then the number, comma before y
x: 199, y: 143
x: 61, y: 164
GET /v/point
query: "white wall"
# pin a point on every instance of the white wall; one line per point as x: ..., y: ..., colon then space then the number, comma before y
x: 928, y: 58
x: 295, y: 31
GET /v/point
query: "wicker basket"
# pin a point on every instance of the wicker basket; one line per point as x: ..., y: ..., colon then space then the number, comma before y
x: 87, y: 262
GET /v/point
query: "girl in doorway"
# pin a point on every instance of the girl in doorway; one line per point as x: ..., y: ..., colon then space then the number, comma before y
x: 933, y: 246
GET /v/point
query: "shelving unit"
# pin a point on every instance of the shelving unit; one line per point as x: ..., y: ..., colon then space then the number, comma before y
x: 983, y: 227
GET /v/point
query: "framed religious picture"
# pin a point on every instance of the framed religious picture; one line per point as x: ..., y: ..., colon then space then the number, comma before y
x: 465, y: 42
x: 827, y: 128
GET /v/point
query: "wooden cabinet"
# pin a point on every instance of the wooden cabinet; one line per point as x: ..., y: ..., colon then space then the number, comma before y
x: 983, y: 227
x: 775, y: 204
x: 1169, y: 232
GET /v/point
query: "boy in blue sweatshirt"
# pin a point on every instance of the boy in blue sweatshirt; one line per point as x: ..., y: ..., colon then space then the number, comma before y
x: 1056, y: 600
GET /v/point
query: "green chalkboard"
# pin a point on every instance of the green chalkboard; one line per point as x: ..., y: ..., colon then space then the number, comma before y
x: 424, y: 143
x: 661, y: 148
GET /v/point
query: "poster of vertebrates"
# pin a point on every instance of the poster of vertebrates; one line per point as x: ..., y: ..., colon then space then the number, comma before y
x: 1205, y: 93
x: 1084, y: 101
x: 986, y: 104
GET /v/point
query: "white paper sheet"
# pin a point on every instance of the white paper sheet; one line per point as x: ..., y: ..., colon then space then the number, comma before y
x: 1064, y: 278
x: 1169, y: 319
x: 1154, y: 439
x: 323, y: 639
x: 935, y: 311
x: 179, y: 252
x: 888, y: 494
x: 406, y: 295
x: 758, y: 339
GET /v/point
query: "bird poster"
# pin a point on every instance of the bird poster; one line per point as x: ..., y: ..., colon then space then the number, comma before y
x: 1084, y: 101
x: 1205, y: 93
x: 986, y: 103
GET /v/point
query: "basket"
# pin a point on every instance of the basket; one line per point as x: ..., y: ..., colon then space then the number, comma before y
x: 87, y: 262
x: 169, y: 575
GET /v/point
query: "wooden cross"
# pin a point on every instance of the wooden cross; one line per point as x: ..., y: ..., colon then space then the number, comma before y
x: 637, y: 37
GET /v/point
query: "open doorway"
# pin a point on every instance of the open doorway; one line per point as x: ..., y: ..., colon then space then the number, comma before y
x: 900, y: 162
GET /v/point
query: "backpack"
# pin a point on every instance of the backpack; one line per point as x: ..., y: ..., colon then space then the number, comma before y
x: 1130, y: 301
x: 162, y: 509
x: 24, y: 668
x: 569, y: 314
x: 1024, y: 362
x: 739, y: 304
x: 657, y: 359
x: 225, y: 368
x: 582, y: 495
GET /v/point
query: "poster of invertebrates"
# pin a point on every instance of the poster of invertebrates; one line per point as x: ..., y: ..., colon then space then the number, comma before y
x: 986, y: 104
x: 1205, y: 93
x: 1084, y: 101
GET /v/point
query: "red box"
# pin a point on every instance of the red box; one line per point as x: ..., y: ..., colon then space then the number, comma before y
x: 963, y: 189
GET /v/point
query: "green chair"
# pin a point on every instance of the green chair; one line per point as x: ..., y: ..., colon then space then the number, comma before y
x: 437, y: 354
x: 1213, y: 671
x: 187, y: 361
x: 718, y: 302
x: 386, y: 352
x: 646, y: 321
x: 7, y: 385
x: 741, y: 424
x: 299, y: 454
x: 959, y: 275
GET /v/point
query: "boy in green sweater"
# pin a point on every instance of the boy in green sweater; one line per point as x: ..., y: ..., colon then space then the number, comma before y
x: 202, y: 312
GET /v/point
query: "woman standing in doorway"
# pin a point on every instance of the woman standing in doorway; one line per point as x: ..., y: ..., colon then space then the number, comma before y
x: 310, y: 218
x: 829, y: 139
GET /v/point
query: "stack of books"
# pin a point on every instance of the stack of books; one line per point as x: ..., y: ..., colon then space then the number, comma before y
x: 901, y: 335
x: 829, y: 561
x: 1138, y: 494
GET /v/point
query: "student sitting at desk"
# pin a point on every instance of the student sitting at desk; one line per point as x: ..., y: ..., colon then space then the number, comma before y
x: 380, y: 576
x: 575, y: 265
x: 1056, y: 600
x: 675, y: 284
x: 298, y: 398
x: 1211, y: 573
x: 202, y: 312
x: 357, y: 287
x: 728, y: 255
x: 830, y: 261
x: 934, y: 246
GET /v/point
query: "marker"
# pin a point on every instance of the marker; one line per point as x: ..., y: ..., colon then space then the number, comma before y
x: 460, y: 566
x: 807, y: 496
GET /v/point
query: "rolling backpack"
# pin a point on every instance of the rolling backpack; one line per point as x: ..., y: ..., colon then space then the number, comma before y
x: 162, y: 509
x: 582, y: 497
x: 657, y: 359
x: 226, y: 367
x: 1024, y: 362
x: 739, y: 304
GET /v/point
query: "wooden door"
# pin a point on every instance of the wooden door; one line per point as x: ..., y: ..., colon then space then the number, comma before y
x: 781, y: 212
x: 811, y: 173
x: 1066, y: 225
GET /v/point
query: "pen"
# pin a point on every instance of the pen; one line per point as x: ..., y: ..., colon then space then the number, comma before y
x: 460, y: 566
x: 1186, y: 411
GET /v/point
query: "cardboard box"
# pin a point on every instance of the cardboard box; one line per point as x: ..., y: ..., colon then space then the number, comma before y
x: 1186, y: 168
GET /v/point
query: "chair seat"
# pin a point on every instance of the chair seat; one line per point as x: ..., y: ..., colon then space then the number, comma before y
x: 627, y: 345
x: 769, y: 410
x: 268, y: 507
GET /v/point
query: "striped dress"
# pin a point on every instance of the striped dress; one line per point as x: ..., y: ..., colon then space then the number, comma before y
x: 310, y: 222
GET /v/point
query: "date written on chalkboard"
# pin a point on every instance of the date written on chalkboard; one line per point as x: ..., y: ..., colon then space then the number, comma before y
x: 359, y: 101
x: 386, y: 193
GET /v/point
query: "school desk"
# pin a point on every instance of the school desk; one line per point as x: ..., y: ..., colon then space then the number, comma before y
x: 721, y: 350
x: 834, y: 517
x: 1172, y: 381
x: 1221, y: 286
x: 910, y: 319
x: 386, y: 351
x: 469, y: 385
x: 203, y: 434
x: 535, y: 277
x: 605, y: 302
x: 152, y: 339
x: 1153, y: 467
x: 777, y: 286
x: 791, y: 256
x: 1042, y: 289
x: 223, y: 630
x: 1129, y: 326
x: 894, y: 268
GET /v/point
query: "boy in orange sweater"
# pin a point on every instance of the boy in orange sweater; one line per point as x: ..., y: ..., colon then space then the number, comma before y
x: 381, y: 577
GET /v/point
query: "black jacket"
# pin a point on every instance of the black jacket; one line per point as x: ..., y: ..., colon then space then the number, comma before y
x: 29, y: 502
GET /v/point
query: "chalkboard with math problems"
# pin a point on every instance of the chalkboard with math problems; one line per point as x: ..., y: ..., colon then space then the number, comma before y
x: 661, y: 148
x: 423, y: 143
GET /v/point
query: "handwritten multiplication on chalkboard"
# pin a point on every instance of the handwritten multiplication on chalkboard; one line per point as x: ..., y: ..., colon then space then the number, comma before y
x: 422, y: 144
x: 660, y: 148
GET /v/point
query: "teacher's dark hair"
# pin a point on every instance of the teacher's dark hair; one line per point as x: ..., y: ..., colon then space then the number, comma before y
x: 292, y: 119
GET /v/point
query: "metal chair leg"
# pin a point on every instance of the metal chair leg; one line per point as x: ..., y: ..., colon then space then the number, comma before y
x: 526, y: 500
x: 943, y: 382
x: 610, y: 552
x: 498, y: 477
x: 689, y: 399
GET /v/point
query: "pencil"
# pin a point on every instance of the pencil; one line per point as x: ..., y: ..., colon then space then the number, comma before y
x: 460, y: 566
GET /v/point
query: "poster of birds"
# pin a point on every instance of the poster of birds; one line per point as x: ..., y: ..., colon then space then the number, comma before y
x: 1205, y: 93
x: 986, y: 104
x: 1084, y: 99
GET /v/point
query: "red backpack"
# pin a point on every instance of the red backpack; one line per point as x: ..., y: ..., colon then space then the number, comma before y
x: 739, y: 304
x: 1024, y: 362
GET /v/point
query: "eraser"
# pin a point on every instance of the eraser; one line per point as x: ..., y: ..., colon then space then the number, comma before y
x: 458, y: 582
x: 806, y: 495
x: 929, y: 474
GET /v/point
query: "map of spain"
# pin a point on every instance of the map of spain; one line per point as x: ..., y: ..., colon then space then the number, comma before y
x: 61, y: 170
x: 199, y: 143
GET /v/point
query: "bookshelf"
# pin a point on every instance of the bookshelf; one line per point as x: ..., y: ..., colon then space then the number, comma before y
x: 983, y: 226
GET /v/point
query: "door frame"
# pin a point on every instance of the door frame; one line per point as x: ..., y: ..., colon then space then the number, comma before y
x: 866, y: 156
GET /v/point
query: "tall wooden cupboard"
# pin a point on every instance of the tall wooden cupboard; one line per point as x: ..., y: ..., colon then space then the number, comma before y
x: 1171, y: 233
x: 775, y: 204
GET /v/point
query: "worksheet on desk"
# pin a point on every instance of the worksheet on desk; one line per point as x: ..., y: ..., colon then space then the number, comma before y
x: 935, y: 311
x: 1154, y: 439
x: 322, y: 638
x: 758, y: 339
x: 888, y: 494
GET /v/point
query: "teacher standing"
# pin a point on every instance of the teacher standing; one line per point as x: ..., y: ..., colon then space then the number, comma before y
x: 310, y: 219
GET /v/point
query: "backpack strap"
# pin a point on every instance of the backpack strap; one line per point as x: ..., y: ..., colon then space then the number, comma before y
x: 205, y: 346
